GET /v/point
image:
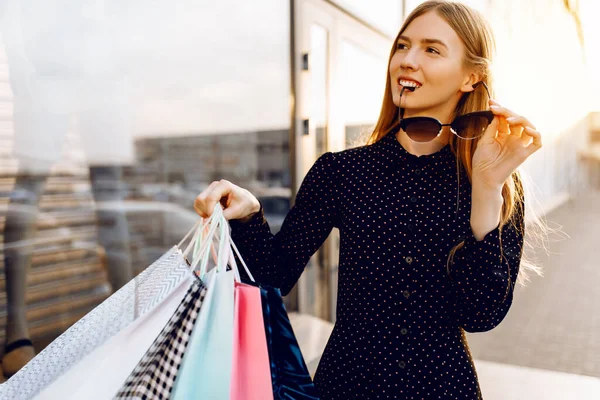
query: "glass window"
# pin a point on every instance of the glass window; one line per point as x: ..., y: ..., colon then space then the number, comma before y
x: 361, y: 100
x: 385, y: 15
x: 114, y: 117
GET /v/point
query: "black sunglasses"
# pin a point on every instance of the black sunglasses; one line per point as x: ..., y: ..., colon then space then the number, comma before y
x: 467, y: 126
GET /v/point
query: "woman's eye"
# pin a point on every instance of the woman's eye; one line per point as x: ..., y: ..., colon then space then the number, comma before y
x: 434, y: 51
x: 400, y: 46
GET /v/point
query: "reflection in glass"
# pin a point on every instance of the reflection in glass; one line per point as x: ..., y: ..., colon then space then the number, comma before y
x: 114, y: 118
x: 364, y: 75
x: 385, y: 15
x: 314, y: 295
x: 318, y: 84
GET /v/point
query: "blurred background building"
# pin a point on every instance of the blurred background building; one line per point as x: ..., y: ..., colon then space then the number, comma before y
x: 177, y: 94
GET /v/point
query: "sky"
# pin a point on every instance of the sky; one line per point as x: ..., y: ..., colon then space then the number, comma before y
x: 199, y: 66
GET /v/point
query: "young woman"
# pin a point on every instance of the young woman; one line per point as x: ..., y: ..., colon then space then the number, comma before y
x: 431, y: 218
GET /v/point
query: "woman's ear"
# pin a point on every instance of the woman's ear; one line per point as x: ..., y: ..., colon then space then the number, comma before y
x: 469, y: 81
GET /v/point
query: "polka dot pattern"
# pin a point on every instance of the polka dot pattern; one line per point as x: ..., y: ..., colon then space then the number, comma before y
x: 401, y: 319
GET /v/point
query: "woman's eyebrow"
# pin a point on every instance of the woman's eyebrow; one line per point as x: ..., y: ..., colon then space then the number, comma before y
x: 424, y: 41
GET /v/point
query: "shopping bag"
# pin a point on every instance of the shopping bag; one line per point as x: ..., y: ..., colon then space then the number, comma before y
x: 101, y: 374
x: 206, y: 368
x: 114, y: 314
x: 154, y: 376
x: 251, y: 375
x: 289, y: 374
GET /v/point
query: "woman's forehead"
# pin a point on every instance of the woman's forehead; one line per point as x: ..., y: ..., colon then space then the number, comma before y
x: 431, y: 26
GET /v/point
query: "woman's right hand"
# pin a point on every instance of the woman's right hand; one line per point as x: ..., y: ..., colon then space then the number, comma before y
x: 238, y: 203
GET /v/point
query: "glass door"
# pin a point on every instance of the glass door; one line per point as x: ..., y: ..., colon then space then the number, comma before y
x: 341, y: 67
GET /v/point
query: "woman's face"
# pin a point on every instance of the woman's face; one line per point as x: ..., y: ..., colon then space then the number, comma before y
x: 429, y: 54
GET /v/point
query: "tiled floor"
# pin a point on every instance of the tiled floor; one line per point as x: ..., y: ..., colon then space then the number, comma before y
x: 498, y: 381
x: 548, y: 346
x: 554, y: 322
x: 511, y: 382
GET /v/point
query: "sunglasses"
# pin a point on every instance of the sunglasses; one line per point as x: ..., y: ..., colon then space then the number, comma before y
x: 467, y: 126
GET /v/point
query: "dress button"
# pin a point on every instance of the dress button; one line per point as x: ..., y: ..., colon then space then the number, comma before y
x: 411, y: 227
x: 408, y: 260
x: 406, y: 294
x: 404, y: 331
x: 413, y: 199
x: 417, y: 172
x: 402, y: 364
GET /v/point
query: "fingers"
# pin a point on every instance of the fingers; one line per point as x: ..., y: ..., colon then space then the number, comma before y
x: 517, y: 124
x: 511, y: 117
x: 536, y: 144
x: 503, y: 128
x: 207, y: 200
x: 231, y: 211
x: 497, y: 109
x: 489, y: 134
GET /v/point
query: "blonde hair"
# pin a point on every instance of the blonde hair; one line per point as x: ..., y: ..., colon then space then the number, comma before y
x: 479, y: 43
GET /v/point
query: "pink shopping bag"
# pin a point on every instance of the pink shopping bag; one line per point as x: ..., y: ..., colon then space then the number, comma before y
x: 251, y: 372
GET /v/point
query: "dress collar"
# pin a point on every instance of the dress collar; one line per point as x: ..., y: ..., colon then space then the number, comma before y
x: 391, y: 147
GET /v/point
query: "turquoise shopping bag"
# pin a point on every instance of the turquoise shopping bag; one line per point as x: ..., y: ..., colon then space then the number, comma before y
x: 207, y: 364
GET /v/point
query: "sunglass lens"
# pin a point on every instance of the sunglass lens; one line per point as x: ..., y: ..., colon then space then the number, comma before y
x: 422, y: 130
x: 470, y: 126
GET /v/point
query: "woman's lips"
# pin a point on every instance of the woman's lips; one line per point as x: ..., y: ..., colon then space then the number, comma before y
x: 409, y: 83
x: 408, y: 88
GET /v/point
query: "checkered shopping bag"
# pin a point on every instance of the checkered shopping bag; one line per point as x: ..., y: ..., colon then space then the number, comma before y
x: 154, y: 376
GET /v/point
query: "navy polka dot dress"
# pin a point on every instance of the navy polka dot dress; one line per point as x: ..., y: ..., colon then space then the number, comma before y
x: 402, y: 312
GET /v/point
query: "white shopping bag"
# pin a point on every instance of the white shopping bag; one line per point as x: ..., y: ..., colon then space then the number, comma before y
x: 101, y: 374
x: 129, y: 303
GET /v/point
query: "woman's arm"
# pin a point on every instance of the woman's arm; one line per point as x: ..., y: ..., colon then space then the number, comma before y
x: 486, y: 208
x: 484, y: 271
x: 278, y: 260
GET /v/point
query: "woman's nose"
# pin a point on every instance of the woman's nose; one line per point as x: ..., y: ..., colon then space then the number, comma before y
x: 410, y: 61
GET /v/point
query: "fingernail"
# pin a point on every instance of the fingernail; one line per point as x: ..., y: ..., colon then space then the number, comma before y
x: 494, y: 107
x: 510, y: 119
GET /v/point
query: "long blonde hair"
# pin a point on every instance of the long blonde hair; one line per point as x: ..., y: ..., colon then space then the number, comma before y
x: 479, y: 44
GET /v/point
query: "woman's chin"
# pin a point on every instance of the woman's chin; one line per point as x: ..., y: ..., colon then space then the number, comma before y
x: 411, y: 110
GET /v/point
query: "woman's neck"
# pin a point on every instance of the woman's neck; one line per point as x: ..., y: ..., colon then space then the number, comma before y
x: 443, y: 115
x: 426, y: 148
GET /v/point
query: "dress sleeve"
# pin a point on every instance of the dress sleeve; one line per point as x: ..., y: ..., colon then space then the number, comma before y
x: 483, y: 275
x: 278, y: 260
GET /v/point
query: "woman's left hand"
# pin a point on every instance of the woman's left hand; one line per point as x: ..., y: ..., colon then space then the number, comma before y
x: 505, y: 144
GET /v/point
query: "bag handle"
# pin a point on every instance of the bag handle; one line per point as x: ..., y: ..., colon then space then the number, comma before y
x: 197, y: 229
x: 202, y: 257
x: 225, y: 243
x: 241, y: 259
x: 201, y: 239
x: 231, y: 256
x: 193, y: 230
